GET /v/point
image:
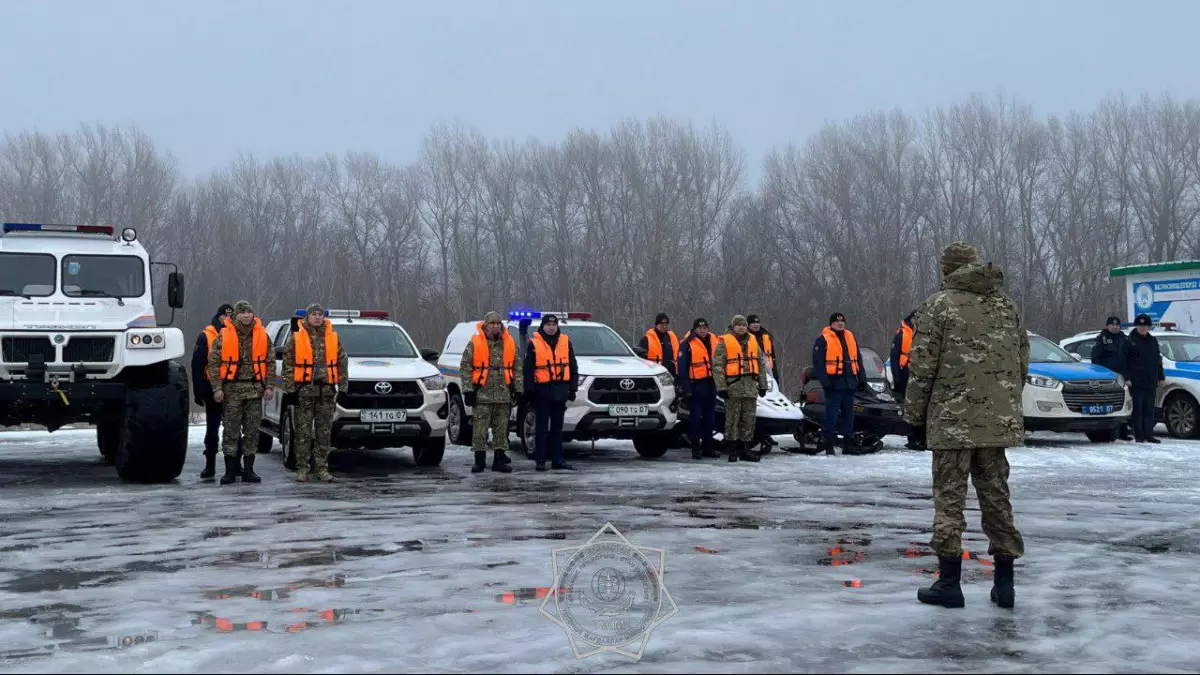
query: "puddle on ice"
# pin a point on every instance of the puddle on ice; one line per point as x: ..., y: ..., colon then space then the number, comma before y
x: 37, y: 581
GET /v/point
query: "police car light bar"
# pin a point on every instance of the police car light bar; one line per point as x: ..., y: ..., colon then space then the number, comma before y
x: 349, y: 313
x: 41, y: 227
x: 525, y: 314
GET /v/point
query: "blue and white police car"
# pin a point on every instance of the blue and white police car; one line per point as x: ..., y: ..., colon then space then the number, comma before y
x: 1062, y: 394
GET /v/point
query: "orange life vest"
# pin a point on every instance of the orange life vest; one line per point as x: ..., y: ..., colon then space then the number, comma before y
x: 835, y: 360
x: 231, y: 359
x: 551, y: 366
x: 210, y: 332
x: 481, y: 357
x: 654, y: 350
x: 305, y: 369
x: 905, y: 343
x: 738, y: 363
x: 700, y: 367
x: 768, y: 347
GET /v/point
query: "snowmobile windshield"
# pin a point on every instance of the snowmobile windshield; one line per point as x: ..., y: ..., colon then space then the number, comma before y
x: 1180, y: 348
x: 1042, y: 350
x: 872, y: 364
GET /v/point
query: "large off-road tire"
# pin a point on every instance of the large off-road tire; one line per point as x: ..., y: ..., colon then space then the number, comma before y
x: 154, y: 432
x: 1105, y: 436
x: 429, y: 451
x: 458, y: 425
x: 108, y: 437
x: 651, y: 445
x: 1181, y: 414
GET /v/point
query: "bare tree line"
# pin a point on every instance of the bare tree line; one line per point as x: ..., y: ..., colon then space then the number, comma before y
x: 656, y: 215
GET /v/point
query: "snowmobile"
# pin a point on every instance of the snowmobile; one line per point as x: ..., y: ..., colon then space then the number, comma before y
x: 876, y: 413
x: 775, y: 416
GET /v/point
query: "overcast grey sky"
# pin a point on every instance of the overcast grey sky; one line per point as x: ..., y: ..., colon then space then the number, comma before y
x: 212, y: 78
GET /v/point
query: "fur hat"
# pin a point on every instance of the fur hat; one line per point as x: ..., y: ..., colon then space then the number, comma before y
x: 957, y: 254
x: 242, y: 307
x: 492, y: 317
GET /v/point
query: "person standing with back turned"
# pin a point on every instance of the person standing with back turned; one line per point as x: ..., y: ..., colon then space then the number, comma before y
x: 970, y: 357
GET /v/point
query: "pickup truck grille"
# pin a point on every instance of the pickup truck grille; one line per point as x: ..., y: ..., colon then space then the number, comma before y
x: 19, y: 349
x: 363, y: 395
x: 608, y: 390
x: 1092, y: 392
x: 89, y: 350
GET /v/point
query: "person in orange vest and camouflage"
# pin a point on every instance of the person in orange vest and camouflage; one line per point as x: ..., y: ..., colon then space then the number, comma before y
x: 492, y: 378
x: 202, y: 389
x: 901, y: 354
x: 661, y: 345
x: 316, y: 370
x: 740, y: 373
x: 837, y: 361
x: 241, y: 366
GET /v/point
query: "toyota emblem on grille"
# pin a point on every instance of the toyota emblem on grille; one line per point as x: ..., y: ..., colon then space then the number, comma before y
x: 383, y: 387
x: 627, y: 384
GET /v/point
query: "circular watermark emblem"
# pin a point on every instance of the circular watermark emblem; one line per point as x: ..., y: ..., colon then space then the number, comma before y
x: 615, y: 595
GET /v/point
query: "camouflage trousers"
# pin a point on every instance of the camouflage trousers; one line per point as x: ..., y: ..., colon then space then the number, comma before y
x: 740, y: 414
x: 988, y: 470
x: 313, y: 428
x: 241, y: 416
x: 493, y: 416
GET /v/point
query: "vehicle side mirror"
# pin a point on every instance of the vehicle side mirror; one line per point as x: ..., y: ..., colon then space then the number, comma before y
x: 430, y: 355
x: 175, y: 290
x: 1077, y: 357
x: 640, y: 352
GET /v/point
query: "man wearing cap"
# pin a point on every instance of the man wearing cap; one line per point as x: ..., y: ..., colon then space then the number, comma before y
x: 970, y: 357
x: 699, y: 390
x: 837, y: 361
x: 660, y: 344
x: 241, y: 366
x: 551, y: 380
x: 1111, y: 350
x: 740, y: 374
x: 202, y: 388
x: 316, y: 370
x: 1144, y: 364
x: 900, y: 357
x: 492, y: 378
x: 766, y: 344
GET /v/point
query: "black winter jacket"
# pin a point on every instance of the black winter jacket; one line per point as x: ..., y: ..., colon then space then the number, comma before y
x: 846, y: 382
x: 1111, y: 350
x: 202, y: 388
x: 1144, y: 361
x: 899, y: 375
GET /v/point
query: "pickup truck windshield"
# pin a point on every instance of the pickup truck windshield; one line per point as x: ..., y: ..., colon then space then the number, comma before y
x: 26, y: 274
x: 365, y: 340
x: 595, y: 341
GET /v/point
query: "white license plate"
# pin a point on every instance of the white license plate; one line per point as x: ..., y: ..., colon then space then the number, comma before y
x: 629, y: 410
x: 383, y: 415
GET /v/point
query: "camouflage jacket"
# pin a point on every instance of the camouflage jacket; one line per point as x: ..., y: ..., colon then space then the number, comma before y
x: 494, y: 391
x: 967, y: 367
x: 244, y: 385
x: 317, y: 337
x: 745, y: 386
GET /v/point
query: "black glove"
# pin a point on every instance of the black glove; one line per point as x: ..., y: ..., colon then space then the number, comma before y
x: 571, y: 396
x: 762, y: 392
x: 724, y: 393
x: 469, y: 398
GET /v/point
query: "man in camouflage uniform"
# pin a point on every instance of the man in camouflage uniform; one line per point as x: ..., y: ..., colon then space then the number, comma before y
x: 969, y: 360
x: 740, y: 391
x: 242, y: 394
x: 316, y: 401
x: 491, y: 402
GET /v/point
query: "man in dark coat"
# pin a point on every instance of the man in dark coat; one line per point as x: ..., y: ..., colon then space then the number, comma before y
x: 901, y: 352
x: 1111, y: 350
x: 202, y: 389
x: 837, y: 362
x: 549, y: 387
x: 1145, y: 368
x: 698, y: 388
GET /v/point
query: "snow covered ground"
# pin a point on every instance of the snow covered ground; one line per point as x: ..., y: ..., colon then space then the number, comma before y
x: 793, y: 564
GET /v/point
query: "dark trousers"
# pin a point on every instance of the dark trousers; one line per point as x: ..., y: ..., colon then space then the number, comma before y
x: 548, y: 416
x: 702, y: 419
x: 213, y: 412
x: 1143, y: 412
x: 839, y: 413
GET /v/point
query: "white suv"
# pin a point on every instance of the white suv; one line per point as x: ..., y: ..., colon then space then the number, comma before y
x: 1176, y: 401
x: 396, y: 397
x: 620, y: 394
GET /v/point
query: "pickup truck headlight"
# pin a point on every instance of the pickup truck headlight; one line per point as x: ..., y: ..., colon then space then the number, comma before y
x: 146, y: 339
x: 434, y: 383
x: 1042, y: 381
x: 665, y: 380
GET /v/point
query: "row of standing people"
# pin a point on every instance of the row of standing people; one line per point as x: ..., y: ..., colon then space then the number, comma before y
x: 1135, y: 356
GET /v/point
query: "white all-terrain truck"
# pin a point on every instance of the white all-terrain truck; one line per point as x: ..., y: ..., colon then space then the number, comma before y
x: 80, y: 342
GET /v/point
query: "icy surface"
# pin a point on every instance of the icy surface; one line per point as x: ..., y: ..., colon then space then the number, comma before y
x: 793, y: 564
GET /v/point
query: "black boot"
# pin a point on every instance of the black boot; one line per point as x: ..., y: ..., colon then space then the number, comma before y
x: 827, y: 446
x: 248, y: 475
x: 561, y: 466
x: 1003, y: 593
x: 501, y: 463
x: 709, y: 450
x: 697, y: 452
x: 946, y: 591
x: 231, y: 470
x: 733, y: 451
x: 745, y: 452
x: 210, y: 465
x: 480, y: 461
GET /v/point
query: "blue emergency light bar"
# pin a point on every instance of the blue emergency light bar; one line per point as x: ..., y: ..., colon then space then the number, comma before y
x: 46, y: 227
x: 1165, y: 325
x: 349, y: 313
x: 526, y: 314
